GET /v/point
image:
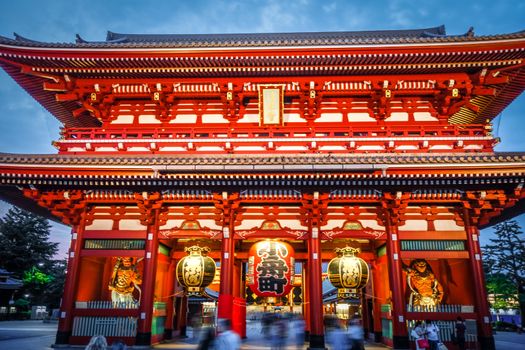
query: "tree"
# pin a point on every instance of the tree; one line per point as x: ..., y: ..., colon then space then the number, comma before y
x: 506, y: 257
x: 25, y: 250
x: 24, y: 242
x: 502, y: 291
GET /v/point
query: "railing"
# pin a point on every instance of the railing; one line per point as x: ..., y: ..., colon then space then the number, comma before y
x: 105, y: 304
x: 220, y: 131
x: 433, y: 245
x: 453, y: 308
x: 121, y: 244
x: 220, y: 139
x: 107, y: 326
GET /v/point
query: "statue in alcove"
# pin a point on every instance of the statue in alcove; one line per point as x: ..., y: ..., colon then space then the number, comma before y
x: 124, y: 280
x: 425, y: 289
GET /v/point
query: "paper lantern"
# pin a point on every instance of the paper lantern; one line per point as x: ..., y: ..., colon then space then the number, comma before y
x: 271, y: 268
x: 348, y: 272
x: 196, y: 271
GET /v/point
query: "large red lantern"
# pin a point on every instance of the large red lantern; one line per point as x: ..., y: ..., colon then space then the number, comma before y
x: 271, y: 268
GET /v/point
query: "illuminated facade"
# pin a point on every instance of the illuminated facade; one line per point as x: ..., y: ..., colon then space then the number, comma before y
x: 379, y: 141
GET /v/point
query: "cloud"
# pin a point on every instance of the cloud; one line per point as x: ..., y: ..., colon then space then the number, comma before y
x: 330, y: 7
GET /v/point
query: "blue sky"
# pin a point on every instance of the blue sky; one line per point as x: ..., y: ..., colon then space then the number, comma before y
x: 28, y: 128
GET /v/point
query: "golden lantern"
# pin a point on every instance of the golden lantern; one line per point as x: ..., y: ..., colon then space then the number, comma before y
x: 347, y: 272
x: 196, y: 271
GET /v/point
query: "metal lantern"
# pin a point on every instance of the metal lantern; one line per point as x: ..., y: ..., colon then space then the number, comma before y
x: 348, y: 272
x: 271, y: 268
x: 196, y: 271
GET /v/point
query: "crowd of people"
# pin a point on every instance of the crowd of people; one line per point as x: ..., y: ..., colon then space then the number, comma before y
x: 277, y: 329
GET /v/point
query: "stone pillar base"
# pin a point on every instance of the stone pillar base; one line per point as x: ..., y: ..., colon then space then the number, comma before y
x: 143, y: 339
x: 62, y: 337
x: 487, y: 343
x: 316, y: 342
x: 400, y: 342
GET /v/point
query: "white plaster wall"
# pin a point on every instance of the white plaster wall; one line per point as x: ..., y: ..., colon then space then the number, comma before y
x: 397, y: 117
x: 148, y: 119
x: 329, y: 117
x: 293, y: 118
x: 101, y: 224
x: 184, y: 119
x: 123, y: 119
x: 133, y: 225
x: 214, y: 118
x: 424, y: 116
x: 360, y: 117
x: 414, y: 225
x: 447, y: 225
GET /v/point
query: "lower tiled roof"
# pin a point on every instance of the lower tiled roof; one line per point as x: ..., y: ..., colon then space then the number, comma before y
x: 261, y: 159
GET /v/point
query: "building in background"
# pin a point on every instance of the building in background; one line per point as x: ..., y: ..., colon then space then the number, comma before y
x: 264, y: 152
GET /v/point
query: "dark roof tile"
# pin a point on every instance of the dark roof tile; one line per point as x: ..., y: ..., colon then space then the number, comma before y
x: 120, y: 40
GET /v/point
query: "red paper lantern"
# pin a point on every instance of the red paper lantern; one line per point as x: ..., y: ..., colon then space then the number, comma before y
x: 271, y: 268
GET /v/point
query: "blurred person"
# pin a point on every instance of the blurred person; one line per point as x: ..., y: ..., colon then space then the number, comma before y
x: 432, y: 334
x: 299, y: 331
x: 97, y: 342
x: 119, y: 345
x: 207, y: 338
x: 266, y: 324
x: 227, y: 339
x: 418, y: 332
x: 279, y: 333
x: 338, y: 336
x: 356, y: 334
x: 460, y: 333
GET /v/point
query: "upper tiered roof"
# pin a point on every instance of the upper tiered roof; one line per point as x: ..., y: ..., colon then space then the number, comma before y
x: 494, y: 62
x: 295, y: 39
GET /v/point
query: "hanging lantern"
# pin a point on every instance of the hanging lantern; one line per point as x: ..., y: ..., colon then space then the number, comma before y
x: 196, y: 271
x: 271, y: 268
x: 347, y: 272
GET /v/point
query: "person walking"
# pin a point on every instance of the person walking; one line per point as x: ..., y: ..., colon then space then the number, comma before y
x: 97, y: 342
x: 356, y: 334
x: 432, y: 335
x: 227, y: 339
x: 207, y: 338
x: 460, y: 333
x: 298, y: 329
x: 418, y: 333
x: 338, y: 338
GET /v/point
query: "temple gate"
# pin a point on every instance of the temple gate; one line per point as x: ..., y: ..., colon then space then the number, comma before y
x: 379, y: 142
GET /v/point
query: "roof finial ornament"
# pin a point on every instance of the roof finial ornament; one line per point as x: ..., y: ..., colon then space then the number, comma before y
x: 79, y: 40
x: 470, y: 32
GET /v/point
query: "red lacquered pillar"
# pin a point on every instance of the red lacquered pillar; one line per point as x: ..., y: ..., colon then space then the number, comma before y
x: 399, y: 325
x: 65, y: 323
x: 316, y: 291
x: 225, y: 306
x: 485, y: 336
x: 148, y: 284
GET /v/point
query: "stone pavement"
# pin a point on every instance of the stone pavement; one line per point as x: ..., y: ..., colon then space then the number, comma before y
x: 254, y: 341
x: 36, y: 335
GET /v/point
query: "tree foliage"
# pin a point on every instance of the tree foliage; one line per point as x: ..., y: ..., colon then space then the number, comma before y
x: 504, y: 261
x: 25, y: 251
x: 24, y: 241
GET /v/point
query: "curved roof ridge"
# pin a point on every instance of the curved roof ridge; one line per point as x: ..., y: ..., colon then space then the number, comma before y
x: 19, y: 37
x: 391, y: 33
x: 291, y: 39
